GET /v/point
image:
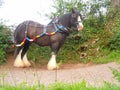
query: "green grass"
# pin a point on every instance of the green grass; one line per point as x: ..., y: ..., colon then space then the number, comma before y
x: 116, y: 73
x: 113, y: 56
x: 61, y: 86
x: 21, y: 87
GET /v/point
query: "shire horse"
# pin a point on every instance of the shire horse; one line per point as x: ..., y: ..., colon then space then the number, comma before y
x: 53, y: 35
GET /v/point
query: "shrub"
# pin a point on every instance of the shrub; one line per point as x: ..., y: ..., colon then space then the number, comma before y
x: 2, y: 55
x: 114, y: 42
x: 5, y: 41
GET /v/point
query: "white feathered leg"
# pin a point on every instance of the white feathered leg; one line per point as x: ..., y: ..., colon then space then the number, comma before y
x: 26, y: 62
x: 52, y: 63
x: 18, y: 61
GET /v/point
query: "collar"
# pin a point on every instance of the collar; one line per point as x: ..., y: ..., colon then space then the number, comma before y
x: 61, y: 28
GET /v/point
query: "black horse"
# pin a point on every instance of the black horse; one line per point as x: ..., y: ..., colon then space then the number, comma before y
x: 53, y: 35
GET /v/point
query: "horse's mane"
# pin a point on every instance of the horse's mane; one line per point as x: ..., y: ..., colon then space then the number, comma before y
x: 63, y: 20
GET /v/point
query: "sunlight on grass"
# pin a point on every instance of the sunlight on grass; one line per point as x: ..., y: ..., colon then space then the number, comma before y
x: 113, y: 56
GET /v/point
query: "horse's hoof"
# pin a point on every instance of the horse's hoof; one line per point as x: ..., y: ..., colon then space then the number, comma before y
x: 27, y: 63
x: 19, y: 65
x: 52, y: 67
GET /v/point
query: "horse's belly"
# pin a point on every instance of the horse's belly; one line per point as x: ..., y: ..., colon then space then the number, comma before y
x: 43, y: 41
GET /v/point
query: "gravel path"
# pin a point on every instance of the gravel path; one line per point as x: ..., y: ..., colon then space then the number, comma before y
x: 92, y: 74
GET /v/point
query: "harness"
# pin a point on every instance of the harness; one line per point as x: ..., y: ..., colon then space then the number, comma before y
x: 58, y: 28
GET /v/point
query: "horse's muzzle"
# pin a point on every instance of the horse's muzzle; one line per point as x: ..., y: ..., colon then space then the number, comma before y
x: 80, y: 26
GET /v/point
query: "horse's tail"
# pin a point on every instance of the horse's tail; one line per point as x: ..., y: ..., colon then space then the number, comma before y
x: 16, y: 39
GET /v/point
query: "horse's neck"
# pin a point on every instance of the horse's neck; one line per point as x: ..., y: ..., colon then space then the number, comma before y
x: 65, y: 20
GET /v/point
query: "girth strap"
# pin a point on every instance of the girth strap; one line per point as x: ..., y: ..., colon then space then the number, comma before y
x: 44, y: 29
x: 35, y: 29
x: 26, y: 30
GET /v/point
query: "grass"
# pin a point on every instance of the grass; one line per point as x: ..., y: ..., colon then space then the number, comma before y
x: 113, y: 56
x: 61, y: 86
x: 116, y: 74
x: 22, y: 86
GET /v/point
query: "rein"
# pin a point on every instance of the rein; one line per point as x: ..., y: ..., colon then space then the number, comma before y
x: 58, y: 28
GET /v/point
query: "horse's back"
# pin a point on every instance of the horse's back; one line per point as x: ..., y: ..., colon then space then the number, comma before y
x: 25, y: 28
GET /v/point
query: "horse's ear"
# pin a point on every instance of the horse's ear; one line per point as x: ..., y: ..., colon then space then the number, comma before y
x: 73, y: 10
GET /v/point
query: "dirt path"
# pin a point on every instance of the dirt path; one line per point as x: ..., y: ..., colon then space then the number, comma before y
x: 93, y: 74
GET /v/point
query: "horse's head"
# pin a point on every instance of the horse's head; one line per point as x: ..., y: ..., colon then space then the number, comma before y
x: 76, y: 20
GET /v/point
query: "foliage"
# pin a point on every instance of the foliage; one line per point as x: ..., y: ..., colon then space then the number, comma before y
x: 114, y: 41
x: 5, y: 41
x: 116, y: 74
x: 61, y: 86
x: 107, y: 56
x: 22, y: 86
x: 65, y: 6
x: 39, y: 54
x: 2, y: 55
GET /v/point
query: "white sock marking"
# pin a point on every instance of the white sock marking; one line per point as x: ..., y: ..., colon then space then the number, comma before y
x: 80, y: 25
x: 18, y: 62
x: 26, y: 62
x: 52, y: 63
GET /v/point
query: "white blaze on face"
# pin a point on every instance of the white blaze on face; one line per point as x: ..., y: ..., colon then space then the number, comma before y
x: 80, y: 25
x: 52, y: 63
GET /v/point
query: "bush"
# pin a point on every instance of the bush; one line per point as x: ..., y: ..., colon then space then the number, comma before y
x: 5, y: 41
x: 114, y: 42
x: 2, y: 55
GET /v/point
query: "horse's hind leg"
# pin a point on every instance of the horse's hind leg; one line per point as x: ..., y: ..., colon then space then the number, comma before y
x: 24, y: 54
x: 18, y: 61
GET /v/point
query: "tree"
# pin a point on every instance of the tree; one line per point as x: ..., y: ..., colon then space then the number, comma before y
x: 64, y: 6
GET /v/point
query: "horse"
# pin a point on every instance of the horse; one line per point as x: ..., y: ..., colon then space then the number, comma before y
x: 52, y: 35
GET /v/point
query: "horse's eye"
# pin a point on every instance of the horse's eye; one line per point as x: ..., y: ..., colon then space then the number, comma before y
x: 74, y: 16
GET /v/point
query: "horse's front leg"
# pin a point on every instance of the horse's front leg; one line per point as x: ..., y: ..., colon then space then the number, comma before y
x: 52, y: 62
